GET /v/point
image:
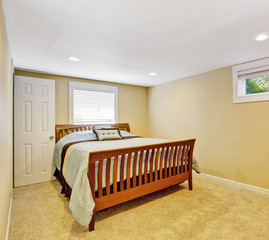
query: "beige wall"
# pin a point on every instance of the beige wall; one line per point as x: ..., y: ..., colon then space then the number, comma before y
x: 232, y: 139
x: 5, y: 127
x: 133, y: 101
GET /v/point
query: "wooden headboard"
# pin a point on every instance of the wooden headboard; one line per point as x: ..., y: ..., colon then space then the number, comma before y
x: 64, y: 129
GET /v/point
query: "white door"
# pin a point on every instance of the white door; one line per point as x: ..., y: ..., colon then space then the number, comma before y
x: 34, y: 130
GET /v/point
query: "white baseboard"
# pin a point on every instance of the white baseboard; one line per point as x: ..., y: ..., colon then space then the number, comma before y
x: 237, y: 184
x: 8, y: 220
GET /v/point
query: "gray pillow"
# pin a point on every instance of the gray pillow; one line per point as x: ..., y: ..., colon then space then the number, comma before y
x: 107, y: 134
x: 101, y: 126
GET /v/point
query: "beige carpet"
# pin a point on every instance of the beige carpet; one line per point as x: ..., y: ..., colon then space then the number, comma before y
x: 212, y: 210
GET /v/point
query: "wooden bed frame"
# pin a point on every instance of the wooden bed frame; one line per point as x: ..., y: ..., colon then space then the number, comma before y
x: 177, y: 169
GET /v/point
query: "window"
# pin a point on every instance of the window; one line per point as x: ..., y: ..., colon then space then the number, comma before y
x: 92, y: 103
x: 251, y: 81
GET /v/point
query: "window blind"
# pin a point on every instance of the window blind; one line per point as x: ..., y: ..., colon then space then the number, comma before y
x: 254, y: 72
x: 93, y: 106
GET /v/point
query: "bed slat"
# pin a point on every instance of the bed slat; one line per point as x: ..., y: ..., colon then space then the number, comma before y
x: 178, y: 159
x: 146, y: 167
x: 142, y: 153
x: 134, y: 169
x: 128, y: 178
x: 108, y: 176
x: 157, y: 163
x: 174, y: 161
x: 161, y: 163
x: 100, y: 177
x: 122, y: 172
x: 151, y: 165
x: 170, y: 161
x: 186, y: 158
x: 115, y: 170
x: 166, y: 161
x: 182, y: 159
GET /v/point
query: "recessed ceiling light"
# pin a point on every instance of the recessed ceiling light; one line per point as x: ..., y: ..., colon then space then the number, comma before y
x: 261, y: 36
x: 152, y: 74
x: 75, y: 59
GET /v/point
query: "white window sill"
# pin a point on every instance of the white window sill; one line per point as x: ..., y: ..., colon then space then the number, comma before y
x: 259, y: 97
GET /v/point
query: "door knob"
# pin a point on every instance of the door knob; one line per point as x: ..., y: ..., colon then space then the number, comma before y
x: 51, y: 137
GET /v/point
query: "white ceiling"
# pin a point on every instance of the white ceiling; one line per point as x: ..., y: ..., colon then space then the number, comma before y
x: 123, y: 40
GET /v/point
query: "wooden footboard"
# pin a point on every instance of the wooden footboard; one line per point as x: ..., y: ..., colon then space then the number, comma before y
x: 154, y: 167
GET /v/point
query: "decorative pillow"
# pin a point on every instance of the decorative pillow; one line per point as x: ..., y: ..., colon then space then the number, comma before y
x: 101, y: 126
x: 107, y: 134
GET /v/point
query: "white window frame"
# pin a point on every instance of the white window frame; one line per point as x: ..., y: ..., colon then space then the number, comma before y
x: 239, y: 85
x: 90, y: 87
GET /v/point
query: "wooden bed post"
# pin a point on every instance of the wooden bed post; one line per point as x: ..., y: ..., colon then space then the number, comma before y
x: 190, y: 167
x: 91, y: 176
x: 91, y: 225
x: 190, y: 180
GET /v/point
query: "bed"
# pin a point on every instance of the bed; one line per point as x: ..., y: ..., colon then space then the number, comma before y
x: 99, y: 174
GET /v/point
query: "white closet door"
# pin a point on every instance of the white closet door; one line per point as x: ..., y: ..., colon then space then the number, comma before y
x: 34, y: 130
